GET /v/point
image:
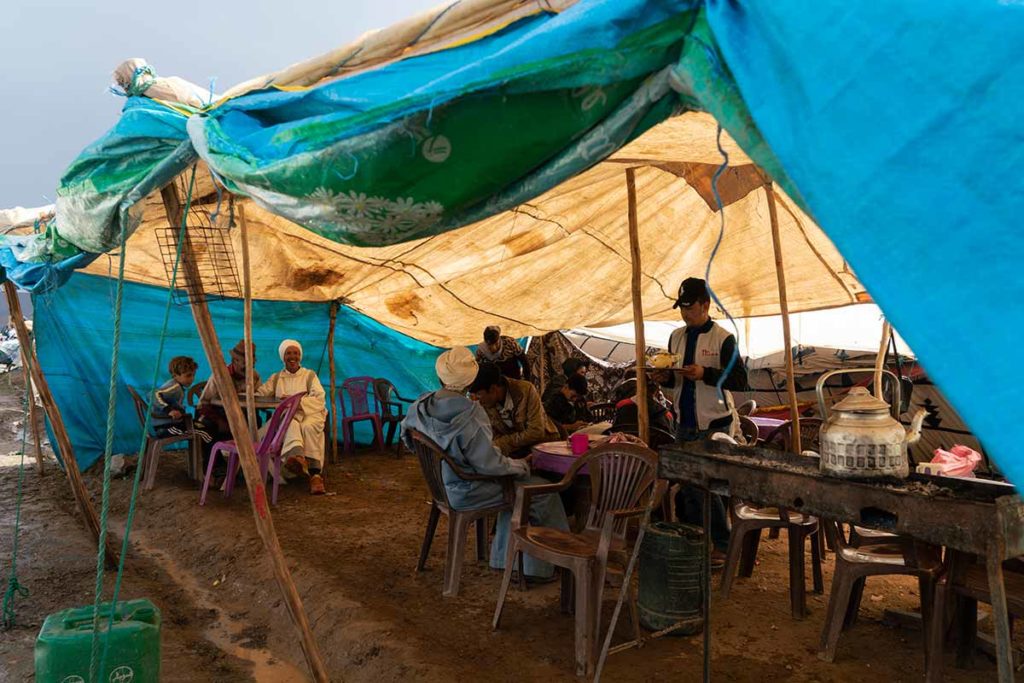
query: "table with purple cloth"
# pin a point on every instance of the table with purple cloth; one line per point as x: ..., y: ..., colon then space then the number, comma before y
x: 766, y: 425
x: 557, y: 456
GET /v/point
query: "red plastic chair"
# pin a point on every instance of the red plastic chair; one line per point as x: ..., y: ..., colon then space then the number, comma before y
x: 269, y: 448
x: 362, y: 406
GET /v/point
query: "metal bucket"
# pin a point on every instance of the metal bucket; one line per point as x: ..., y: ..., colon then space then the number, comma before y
x: 672, y: 578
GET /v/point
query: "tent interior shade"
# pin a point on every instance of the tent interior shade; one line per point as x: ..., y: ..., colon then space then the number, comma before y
x: 557, y: 262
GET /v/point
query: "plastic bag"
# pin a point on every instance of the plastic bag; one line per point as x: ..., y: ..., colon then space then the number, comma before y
x: 958, y: 461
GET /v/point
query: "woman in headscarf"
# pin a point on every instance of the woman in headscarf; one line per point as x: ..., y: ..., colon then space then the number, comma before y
x: 303, y: 449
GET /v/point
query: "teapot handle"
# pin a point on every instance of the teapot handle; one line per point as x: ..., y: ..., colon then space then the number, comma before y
x: 896, y: 396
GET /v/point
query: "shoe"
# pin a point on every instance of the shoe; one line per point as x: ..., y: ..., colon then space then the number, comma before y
x: 316, y: 485
x: 296, y: 464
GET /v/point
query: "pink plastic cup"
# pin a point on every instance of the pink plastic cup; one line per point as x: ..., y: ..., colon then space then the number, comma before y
x: 579, y: 443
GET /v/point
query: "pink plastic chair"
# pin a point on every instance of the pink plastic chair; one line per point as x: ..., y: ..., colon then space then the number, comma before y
x: 363, y: 406
x: 269, y: 448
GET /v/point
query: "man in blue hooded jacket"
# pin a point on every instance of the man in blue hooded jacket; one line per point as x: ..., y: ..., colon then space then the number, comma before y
x: 461, y: 427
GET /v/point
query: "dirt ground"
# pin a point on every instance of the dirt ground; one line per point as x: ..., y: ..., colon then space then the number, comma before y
x: 353, y: 556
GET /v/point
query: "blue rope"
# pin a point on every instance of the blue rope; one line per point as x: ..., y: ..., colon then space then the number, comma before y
x: 714, y: 252
x: 14, y: 588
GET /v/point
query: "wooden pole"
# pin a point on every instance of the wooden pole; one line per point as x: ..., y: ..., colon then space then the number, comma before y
x: 246, y: 453
x: 784, y: 310
x: 638, y: 312
x: 542, y: 363
x: 880, y: 358
x: 250, y: 360
x: 32, y: 417
x: 60, y: 432
x: 334, y: 381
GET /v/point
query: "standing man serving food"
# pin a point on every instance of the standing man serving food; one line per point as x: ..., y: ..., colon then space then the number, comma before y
x: 705, y: 350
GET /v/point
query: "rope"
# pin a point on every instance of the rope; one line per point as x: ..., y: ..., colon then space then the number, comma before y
x: 97, y: 663
x: 108, y: 447
x: 14, y: 588
x: 145, y: 427
x: 707, y: 272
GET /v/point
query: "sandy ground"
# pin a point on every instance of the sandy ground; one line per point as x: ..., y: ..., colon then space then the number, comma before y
x: 353, y: 556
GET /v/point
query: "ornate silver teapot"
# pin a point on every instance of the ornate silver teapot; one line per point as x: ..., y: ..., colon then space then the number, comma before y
x: 861, y: 438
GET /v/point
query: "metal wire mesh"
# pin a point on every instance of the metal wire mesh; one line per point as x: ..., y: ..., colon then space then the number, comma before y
x: 210, y: 254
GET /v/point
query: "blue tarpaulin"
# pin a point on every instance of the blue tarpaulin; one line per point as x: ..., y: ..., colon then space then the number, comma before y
x: 74, y: 329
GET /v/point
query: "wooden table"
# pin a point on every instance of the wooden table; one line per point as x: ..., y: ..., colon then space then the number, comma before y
x: 967, y: 515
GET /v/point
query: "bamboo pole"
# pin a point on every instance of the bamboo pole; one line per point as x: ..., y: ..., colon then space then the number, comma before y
x: 250, y: 360
x: 32, y: 417
x: 880, y: 358
x: 246, y: 453
x: 638, y: 312
x: 784, y: 310
x: 60, y: 432
x: 334, y: 381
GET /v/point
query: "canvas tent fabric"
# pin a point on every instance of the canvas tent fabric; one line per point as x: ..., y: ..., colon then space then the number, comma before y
x: 882, y: 123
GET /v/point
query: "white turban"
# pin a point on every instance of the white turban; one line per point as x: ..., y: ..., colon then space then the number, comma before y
x: 284, y: 347
x: 456, y: 368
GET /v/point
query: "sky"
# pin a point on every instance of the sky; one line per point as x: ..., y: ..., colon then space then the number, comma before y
x: 56, y: 59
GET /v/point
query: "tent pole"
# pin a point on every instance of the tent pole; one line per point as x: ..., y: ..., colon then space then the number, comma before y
x: 787, y: 341
x: 60, y: 433
x: 32, y: 413
x: 542, y: 364
x: 334, y: 381
x: 880, y: 358
x: 250, y: 361
x: 638, y: 311
x: 239, y: 429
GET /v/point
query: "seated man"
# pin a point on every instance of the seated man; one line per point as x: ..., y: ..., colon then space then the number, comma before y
x: 505, y: 352
x: 627, y: 414
x: 570, y: 367
x: 562, y: 405
x: 514, y: 409
x: 461, y: 427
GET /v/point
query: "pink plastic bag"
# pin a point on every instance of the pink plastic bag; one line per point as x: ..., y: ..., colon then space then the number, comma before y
x: 958, y: 461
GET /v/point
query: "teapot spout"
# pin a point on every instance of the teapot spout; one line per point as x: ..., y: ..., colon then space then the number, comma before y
x: 914, y: 430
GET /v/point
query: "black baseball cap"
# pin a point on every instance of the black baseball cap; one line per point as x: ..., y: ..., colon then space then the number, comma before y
x: 691, y: 290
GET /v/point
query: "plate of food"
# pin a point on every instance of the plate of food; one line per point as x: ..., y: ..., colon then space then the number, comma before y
x: 663, y: 361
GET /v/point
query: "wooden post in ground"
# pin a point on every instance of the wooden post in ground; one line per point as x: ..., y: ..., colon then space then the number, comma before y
x: 60, y: 432
x: 32, y: 417
x: 638, y: 311
x: 780, y: 274
x: 334, y: 381
x: 542, y: 364
x: 250, y: 360
x: 246, y: 452
x: 880, y: 358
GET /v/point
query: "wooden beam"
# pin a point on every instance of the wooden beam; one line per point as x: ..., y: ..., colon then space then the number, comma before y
x: 32, y: 417
x: 250, y: 360
x: 787, y: 342
x: 60, y: 432
x: 880, y: 358
x: 638, y: 311
x: 542, y: 364
x: 334, y: 380
x: 246, y: 452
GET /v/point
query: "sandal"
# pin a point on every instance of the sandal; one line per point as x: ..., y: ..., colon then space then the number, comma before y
x: 316, y: 485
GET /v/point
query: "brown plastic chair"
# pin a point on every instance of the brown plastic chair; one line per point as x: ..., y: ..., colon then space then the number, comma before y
x: 855, y: 564
x: 747, y: 523
x: 431, y: 456
x: 392, y: 410
x: 622, y: 480
x: 156, y: 445
x: 781, y: 438
x: 194, y: 392
x: 965, y: 583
